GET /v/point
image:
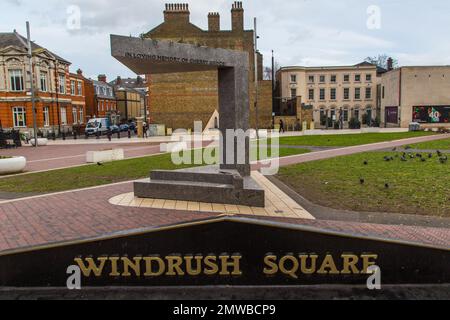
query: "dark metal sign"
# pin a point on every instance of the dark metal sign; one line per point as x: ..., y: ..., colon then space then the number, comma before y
x: 226, y: 251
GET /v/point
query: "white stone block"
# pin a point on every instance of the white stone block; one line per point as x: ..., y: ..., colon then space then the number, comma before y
x: 105, y: 156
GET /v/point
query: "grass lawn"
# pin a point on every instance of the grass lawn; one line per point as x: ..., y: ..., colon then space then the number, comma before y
x: 434, y: 145
x: 94, y: 175
x: 348, y: 140
x: 415, y: 187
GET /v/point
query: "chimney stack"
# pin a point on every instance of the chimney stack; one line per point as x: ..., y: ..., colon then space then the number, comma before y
x: 102, y: 78
x: 237, y: 16
x: 177, y: 12
x: 390, y: 64
x: 79, y: 72
x: 118, y: 81
x: 214, y: 21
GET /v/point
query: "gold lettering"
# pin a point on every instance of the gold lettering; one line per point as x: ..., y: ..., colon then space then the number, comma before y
x: 114, y: 267
x: 270, y: 262
x: 92, y: 267
x: 128, y: 264
x: 211, y: 264
x: 303, y: 264
x: 235, y: 264
x: 174, y: 266
x: 295, y: 265
x: 190, y: 271
x: 148, y: 265
x: 328, y: 263
x: 350, y: 262
x: 367, y: 261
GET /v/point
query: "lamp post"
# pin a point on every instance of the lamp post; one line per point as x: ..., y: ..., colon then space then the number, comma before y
x: 30, y: 57
x: 256, y: 81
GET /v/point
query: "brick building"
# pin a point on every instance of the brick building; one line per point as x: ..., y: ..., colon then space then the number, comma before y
x: 177, y: 100
x: 59, y: 94
x: 100, y: 99
x: 132, y: 98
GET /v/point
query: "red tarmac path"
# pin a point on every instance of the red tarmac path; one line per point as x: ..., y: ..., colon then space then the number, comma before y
x: 82, y: 214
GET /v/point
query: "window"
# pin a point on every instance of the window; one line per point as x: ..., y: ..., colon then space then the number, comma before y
x: 97, y: 91
x: 346, y: 93
x: 46, y: 114
x: 322, y: 79
x: 333, y: 114
x: 333, y: 94
x: 16, y: 78
x: 357, y: 93
x: 80, y: 88
x: 104, y: 91
x: 74, y: 115
x: 368, y: 77
x: 322, y: 94
x: 293, y: 78
x: 346, y: 78
x: 311, y: 79
x: 62, y: 83
x: 368, y: 93
x: 357, y: 114
x: 333, y: 79
x: 311, y: 94
x: 293, y: 93
x: 357, y: 78
x: 63, y: 112
x: 345, y: 115
x: 72, y: 87
x: 81, y: 115
x: 19, y: 117
x: 43, y: 80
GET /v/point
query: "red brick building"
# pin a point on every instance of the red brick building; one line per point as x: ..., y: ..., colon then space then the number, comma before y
x: 100, y: 99
x: 59, y: 95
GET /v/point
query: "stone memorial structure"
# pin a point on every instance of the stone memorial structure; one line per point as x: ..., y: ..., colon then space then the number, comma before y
x: 231, y: 183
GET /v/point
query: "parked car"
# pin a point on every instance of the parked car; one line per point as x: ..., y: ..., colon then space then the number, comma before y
x: 95, y: 126
x: 124, y: 127
x: 115, y: 129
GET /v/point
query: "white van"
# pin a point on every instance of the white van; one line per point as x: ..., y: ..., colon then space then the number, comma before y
x: 99, y: 125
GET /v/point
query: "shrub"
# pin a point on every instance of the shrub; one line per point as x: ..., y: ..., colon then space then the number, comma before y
x: 354, y: 123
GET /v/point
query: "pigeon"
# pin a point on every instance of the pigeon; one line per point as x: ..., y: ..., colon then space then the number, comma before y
x: 423, y: 159
x: 395, y: 149
x: 366, y: 163
x: 443, y: 160
x: 362, y: 181
x: 430, y: 155
x: 439, y: 153
x: 99, y: 164
x: 408, y: 147
x: 386, y: 185
x: 403, y: 159
x: 418, y: 155
x: 387, y: 159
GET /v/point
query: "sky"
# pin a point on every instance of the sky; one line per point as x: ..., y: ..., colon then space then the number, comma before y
x: 301, y: 32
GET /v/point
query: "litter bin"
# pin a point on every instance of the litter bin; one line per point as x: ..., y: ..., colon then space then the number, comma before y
x: 414, y: 126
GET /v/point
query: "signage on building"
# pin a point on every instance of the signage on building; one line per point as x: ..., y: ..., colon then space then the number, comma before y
x: 431, y: 114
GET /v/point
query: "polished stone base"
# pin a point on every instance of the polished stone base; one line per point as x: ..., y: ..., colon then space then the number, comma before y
x: 205, y: 184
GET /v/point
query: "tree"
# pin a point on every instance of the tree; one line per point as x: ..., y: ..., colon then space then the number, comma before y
x: 382, y: 61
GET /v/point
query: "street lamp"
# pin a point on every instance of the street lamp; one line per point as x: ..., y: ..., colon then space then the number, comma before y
x: 30, y: 57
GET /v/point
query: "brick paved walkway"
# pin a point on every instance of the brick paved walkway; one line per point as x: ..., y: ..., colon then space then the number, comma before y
x: 85, y: 214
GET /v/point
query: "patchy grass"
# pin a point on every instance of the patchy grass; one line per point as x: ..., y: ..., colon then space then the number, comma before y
x: 95, y: 175
x: 348, y: 140
x: 434, y: 145
x: 415, y: 187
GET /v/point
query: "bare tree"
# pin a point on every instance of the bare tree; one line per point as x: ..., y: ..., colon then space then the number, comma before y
x: 382, y: 61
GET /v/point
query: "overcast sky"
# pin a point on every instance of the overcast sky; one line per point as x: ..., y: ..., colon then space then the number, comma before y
x: 302, y: 32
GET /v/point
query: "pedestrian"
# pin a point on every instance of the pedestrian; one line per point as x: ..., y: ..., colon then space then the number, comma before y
x: 298, y: 126
x: 144, y: 125
x: 282, y: 130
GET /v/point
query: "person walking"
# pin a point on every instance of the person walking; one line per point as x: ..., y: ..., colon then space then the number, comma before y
x: 282, y: 130
x: 145, y: 130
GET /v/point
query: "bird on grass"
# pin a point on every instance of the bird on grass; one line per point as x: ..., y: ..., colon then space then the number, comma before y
x: 408, y: 148
x: 395, y: 149
x: 418, y: 155
x: 366, y: 163
x: 387, y: 186
x: 439, y: 153
x: 443, y: 160
x: 430, y: 155
x: 99, y: 164
x: 403, y: 158
x: 423, y: 159
x: 362, y: 181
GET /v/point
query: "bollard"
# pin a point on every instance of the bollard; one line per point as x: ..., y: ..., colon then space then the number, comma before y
x: 118, y: 135
x: 75, y: 135
x: 64, y: 136
x: 86, y: 136
x: 109, y: 135
x: 98, y: 135
x: 54, y: 136
x: 129, y: 134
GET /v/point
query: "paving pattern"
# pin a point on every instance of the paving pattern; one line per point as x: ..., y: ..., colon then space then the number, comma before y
x: 87, y: 213
x: 277, y: 203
